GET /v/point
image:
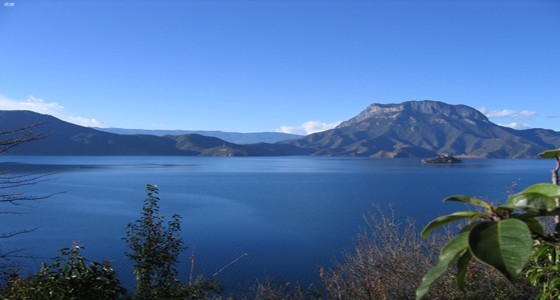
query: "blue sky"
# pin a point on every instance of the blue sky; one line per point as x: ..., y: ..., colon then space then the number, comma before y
x: 270, y: 65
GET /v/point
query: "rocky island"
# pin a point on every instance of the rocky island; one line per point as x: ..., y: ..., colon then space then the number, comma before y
x: 442, y: 159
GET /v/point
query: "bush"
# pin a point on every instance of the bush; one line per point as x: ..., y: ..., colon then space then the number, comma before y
x: 389, y: 259
x: 155, y: 250
x: 71, y: 276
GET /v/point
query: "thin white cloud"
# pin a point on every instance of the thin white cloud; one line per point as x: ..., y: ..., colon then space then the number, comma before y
x: 84, y: 121
x: 516, y: 125
x: 525, y: 114
x: 504, y: 113
x: 508, y: 113
x: 514, y: 119
x: 49, y: 108
x: 308, y: 127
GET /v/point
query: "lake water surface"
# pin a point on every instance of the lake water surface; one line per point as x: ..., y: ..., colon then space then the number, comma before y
x: 290, y: 214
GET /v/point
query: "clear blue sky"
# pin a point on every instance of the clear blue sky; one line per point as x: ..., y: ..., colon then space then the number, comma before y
x: 251, y: 66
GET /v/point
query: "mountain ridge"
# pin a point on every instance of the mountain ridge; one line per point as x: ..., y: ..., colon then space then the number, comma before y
x: 409, y: 129
x: 63, y: 138
x: 426, y: 128
x: 232, y: 137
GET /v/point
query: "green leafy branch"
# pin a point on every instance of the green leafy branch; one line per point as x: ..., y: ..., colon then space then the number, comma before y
x: 500, y: 236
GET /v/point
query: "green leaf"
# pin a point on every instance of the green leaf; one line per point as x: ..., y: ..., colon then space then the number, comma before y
x: 505, y: 245
x: 548, y: 189
x: 449, y: 254
x: 462, y: 266
x: 468, y: 200
x: 531, y: 200
x: 550, y: 153
x: 444, y: 220
x: 540, y: 251
x: 534, y: 225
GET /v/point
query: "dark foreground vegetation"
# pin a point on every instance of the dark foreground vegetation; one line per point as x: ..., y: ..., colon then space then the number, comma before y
x: 507, y: 251
x: 388, y: 261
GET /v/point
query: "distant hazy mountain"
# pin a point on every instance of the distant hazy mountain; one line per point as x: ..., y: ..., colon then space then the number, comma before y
x: 232, y: 137
x: 409, y: 129
x: 426, y: 128
x: 211, y: 146
x: 63, y: 138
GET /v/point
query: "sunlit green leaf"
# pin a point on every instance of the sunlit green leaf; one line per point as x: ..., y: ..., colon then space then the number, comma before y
x: 540, y: 250
x: 462, y: 266
x: 505, y: 245
x: 444, y: 220
x: 449, y: 254
x: 550, y: 153
x: 468, y: 200
x: 531, y: 200
x: 548, y: 189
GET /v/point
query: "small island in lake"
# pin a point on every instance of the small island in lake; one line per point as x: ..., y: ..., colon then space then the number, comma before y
x: 442, y: 159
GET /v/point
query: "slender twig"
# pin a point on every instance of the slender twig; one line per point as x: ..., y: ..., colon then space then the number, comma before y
x: 229, y: 264
x: 7, y: 182
x: 24, y: 134
x: 192, y: 268
x: 12, y: 234
x: 10, y: 180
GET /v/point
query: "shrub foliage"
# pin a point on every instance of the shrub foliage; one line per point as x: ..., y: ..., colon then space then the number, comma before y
x: 71, y: 276
x: 154, y: 248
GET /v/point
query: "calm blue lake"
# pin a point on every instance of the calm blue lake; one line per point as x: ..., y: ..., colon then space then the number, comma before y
x: 290, y: 214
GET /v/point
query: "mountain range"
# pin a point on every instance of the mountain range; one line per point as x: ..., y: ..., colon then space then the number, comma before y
x: 426, y: 128
x: 409, y: 129
x: 232, y: 137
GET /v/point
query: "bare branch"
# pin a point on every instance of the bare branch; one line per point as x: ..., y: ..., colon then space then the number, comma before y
x: 14, y: 181
x: 10, y: 180
x: 15, y: 199
x: 12, y: 234
x: 18, y: 136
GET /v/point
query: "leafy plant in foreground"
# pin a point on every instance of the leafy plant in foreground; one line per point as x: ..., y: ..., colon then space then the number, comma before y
x: 544, y: 271
x: 71, y: 276
x: 155, y: 248
x: 500, y: 236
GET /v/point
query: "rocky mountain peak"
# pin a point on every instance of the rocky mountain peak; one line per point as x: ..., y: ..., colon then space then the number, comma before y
x: 409, y: 129
x: 426, y: 107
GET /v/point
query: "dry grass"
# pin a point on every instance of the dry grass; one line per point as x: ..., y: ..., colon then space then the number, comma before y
x: 389, y: 259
